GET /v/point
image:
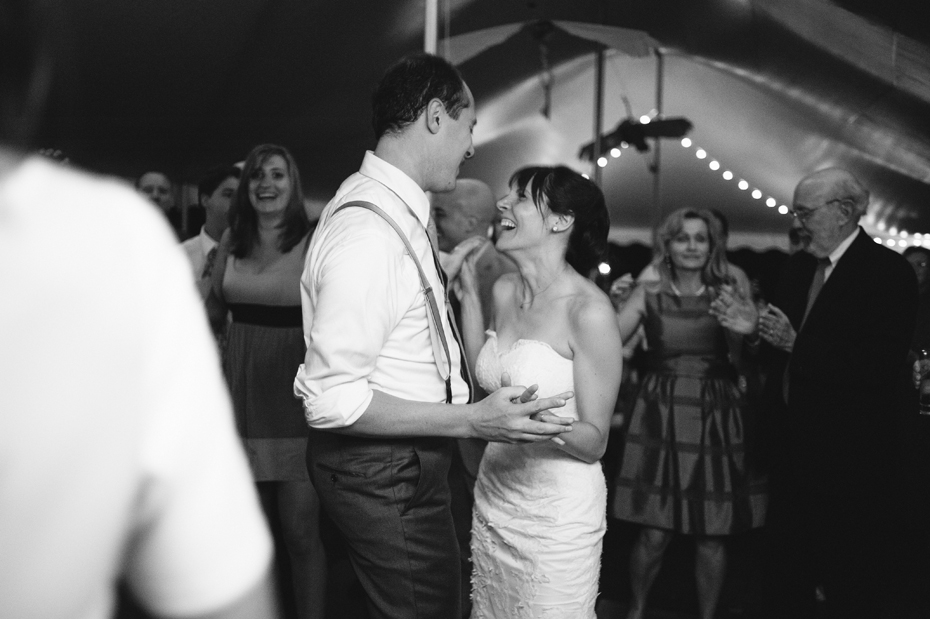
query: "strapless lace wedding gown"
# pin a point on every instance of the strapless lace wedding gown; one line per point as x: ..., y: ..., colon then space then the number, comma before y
x: 540, y: 514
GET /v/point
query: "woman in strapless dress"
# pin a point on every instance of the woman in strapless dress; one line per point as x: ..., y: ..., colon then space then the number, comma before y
x: 256, y: 278
x: 540, y: 509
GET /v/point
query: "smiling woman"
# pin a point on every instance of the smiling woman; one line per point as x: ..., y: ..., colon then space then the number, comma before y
x: 257, y: 278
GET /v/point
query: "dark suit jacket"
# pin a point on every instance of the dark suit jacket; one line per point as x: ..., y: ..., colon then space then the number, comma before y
x: 847, y: 371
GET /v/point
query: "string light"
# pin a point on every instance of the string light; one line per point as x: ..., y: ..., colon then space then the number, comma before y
x: 615, y: 152
x: 714, y: 165
x: 743, y: 185
x: 756, y: 194
x: 686, y: 142
x: 700, y: 153
x: 728, y: 176
x: 602, y: 161
x: 783, y: 209
x: 770, y: 202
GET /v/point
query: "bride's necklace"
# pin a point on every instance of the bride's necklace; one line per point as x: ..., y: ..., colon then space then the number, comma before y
x: 697, y: 293
x: 526, y: 304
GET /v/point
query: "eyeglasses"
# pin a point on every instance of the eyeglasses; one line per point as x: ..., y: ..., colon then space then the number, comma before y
x: 803, y: 213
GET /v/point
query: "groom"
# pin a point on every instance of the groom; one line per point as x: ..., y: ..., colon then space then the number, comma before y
x: 381, y: 404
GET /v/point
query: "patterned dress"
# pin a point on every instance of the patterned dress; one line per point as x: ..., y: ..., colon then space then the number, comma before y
x: 685, y: 466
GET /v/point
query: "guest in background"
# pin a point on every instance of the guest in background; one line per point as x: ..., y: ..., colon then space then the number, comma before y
x: 215, y: 193
x: 257, y: 277
x: 158, y: 188
x: 843, y: 319
x: 919, y: 257
x: 685, y: 467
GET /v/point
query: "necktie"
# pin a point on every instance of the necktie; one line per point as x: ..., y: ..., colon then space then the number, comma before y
x: 816, y: 285
x: 819, y: 278
x: 444, y: 279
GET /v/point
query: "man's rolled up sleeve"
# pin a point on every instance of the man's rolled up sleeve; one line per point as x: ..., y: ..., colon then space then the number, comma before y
x: 351, y: 288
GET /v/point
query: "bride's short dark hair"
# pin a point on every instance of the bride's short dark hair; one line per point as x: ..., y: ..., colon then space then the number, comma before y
x: 567, y: 192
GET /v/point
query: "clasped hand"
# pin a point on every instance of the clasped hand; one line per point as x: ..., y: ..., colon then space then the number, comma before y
x: 517, y: 415
x: 776, y: 329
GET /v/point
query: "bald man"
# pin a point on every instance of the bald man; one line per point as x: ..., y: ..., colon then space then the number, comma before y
x: 843, y: 319
x: 467, y: 212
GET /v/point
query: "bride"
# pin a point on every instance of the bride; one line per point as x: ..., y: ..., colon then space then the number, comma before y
x: 539, y: 514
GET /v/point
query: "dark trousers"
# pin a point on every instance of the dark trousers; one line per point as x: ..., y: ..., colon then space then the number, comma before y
x: 817, y: 539
x: 390, y: 500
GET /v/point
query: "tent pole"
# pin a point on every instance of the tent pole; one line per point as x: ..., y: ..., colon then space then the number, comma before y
x: 598, y: 111
x: 656, y: 161
x: 431, y: 31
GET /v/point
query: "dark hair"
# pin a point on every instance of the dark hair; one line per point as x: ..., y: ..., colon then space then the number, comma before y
x: 566, y: 192
x: 243, y: 222
x: 407, y: 88
x: 715, y: 272
x: 214, y: 178
x: 916, y: 249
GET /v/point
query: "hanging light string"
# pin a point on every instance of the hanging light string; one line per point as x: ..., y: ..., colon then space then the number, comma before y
x: 891, y: 237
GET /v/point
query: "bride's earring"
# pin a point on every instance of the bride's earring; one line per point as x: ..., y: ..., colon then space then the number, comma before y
x: 555, y: 228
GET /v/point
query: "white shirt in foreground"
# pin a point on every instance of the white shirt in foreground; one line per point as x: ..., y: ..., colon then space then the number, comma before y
x: 364, y: 311
x: 118, y: 455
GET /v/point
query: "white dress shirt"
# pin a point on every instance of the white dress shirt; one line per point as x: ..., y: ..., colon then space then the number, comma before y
x: 197, y: 248
x: 837, y: 253
x: 118, y: 449
x: 364, y: 312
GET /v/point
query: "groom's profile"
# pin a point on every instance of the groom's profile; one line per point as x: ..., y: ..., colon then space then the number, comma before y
x: 382, y: 382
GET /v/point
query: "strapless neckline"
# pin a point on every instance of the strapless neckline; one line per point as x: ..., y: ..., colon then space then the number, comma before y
x: 520, y: 342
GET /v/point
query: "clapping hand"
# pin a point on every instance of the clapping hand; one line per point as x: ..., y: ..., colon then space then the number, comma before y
x: 776, y: 329
x: 452, y: 262
x: 734, y: 311
x: 621, y: 289
x: 921, y: 368
x: 466, y: 284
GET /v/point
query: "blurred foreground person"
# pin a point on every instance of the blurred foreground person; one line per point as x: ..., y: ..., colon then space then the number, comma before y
x: 257, y: 279
x: 118, y: 457
x: 117, y: 443
x: 843, y: 319
x: 685, y: 468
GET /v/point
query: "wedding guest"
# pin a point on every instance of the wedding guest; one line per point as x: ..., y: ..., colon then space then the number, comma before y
x: 215, y: 193
x: 685, y: 469
x: 158, y: 188
x: 257, y: 278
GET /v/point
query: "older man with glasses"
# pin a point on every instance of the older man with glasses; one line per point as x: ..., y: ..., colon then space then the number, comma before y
x: 843, y: 322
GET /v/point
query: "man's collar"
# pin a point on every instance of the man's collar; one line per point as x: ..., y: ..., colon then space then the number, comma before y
x: 397, y: 181
x: 837, y: 253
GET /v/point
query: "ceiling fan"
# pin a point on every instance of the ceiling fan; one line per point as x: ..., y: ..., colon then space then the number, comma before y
x: 632, y: 132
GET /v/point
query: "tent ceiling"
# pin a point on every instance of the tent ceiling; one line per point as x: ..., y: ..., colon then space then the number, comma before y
x: 775, y: 89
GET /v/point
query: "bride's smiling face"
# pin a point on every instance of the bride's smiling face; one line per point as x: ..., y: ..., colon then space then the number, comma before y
x: 523, y: 222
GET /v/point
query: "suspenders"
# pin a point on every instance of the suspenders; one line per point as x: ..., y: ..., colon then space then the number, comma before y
x: 437, y: 334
